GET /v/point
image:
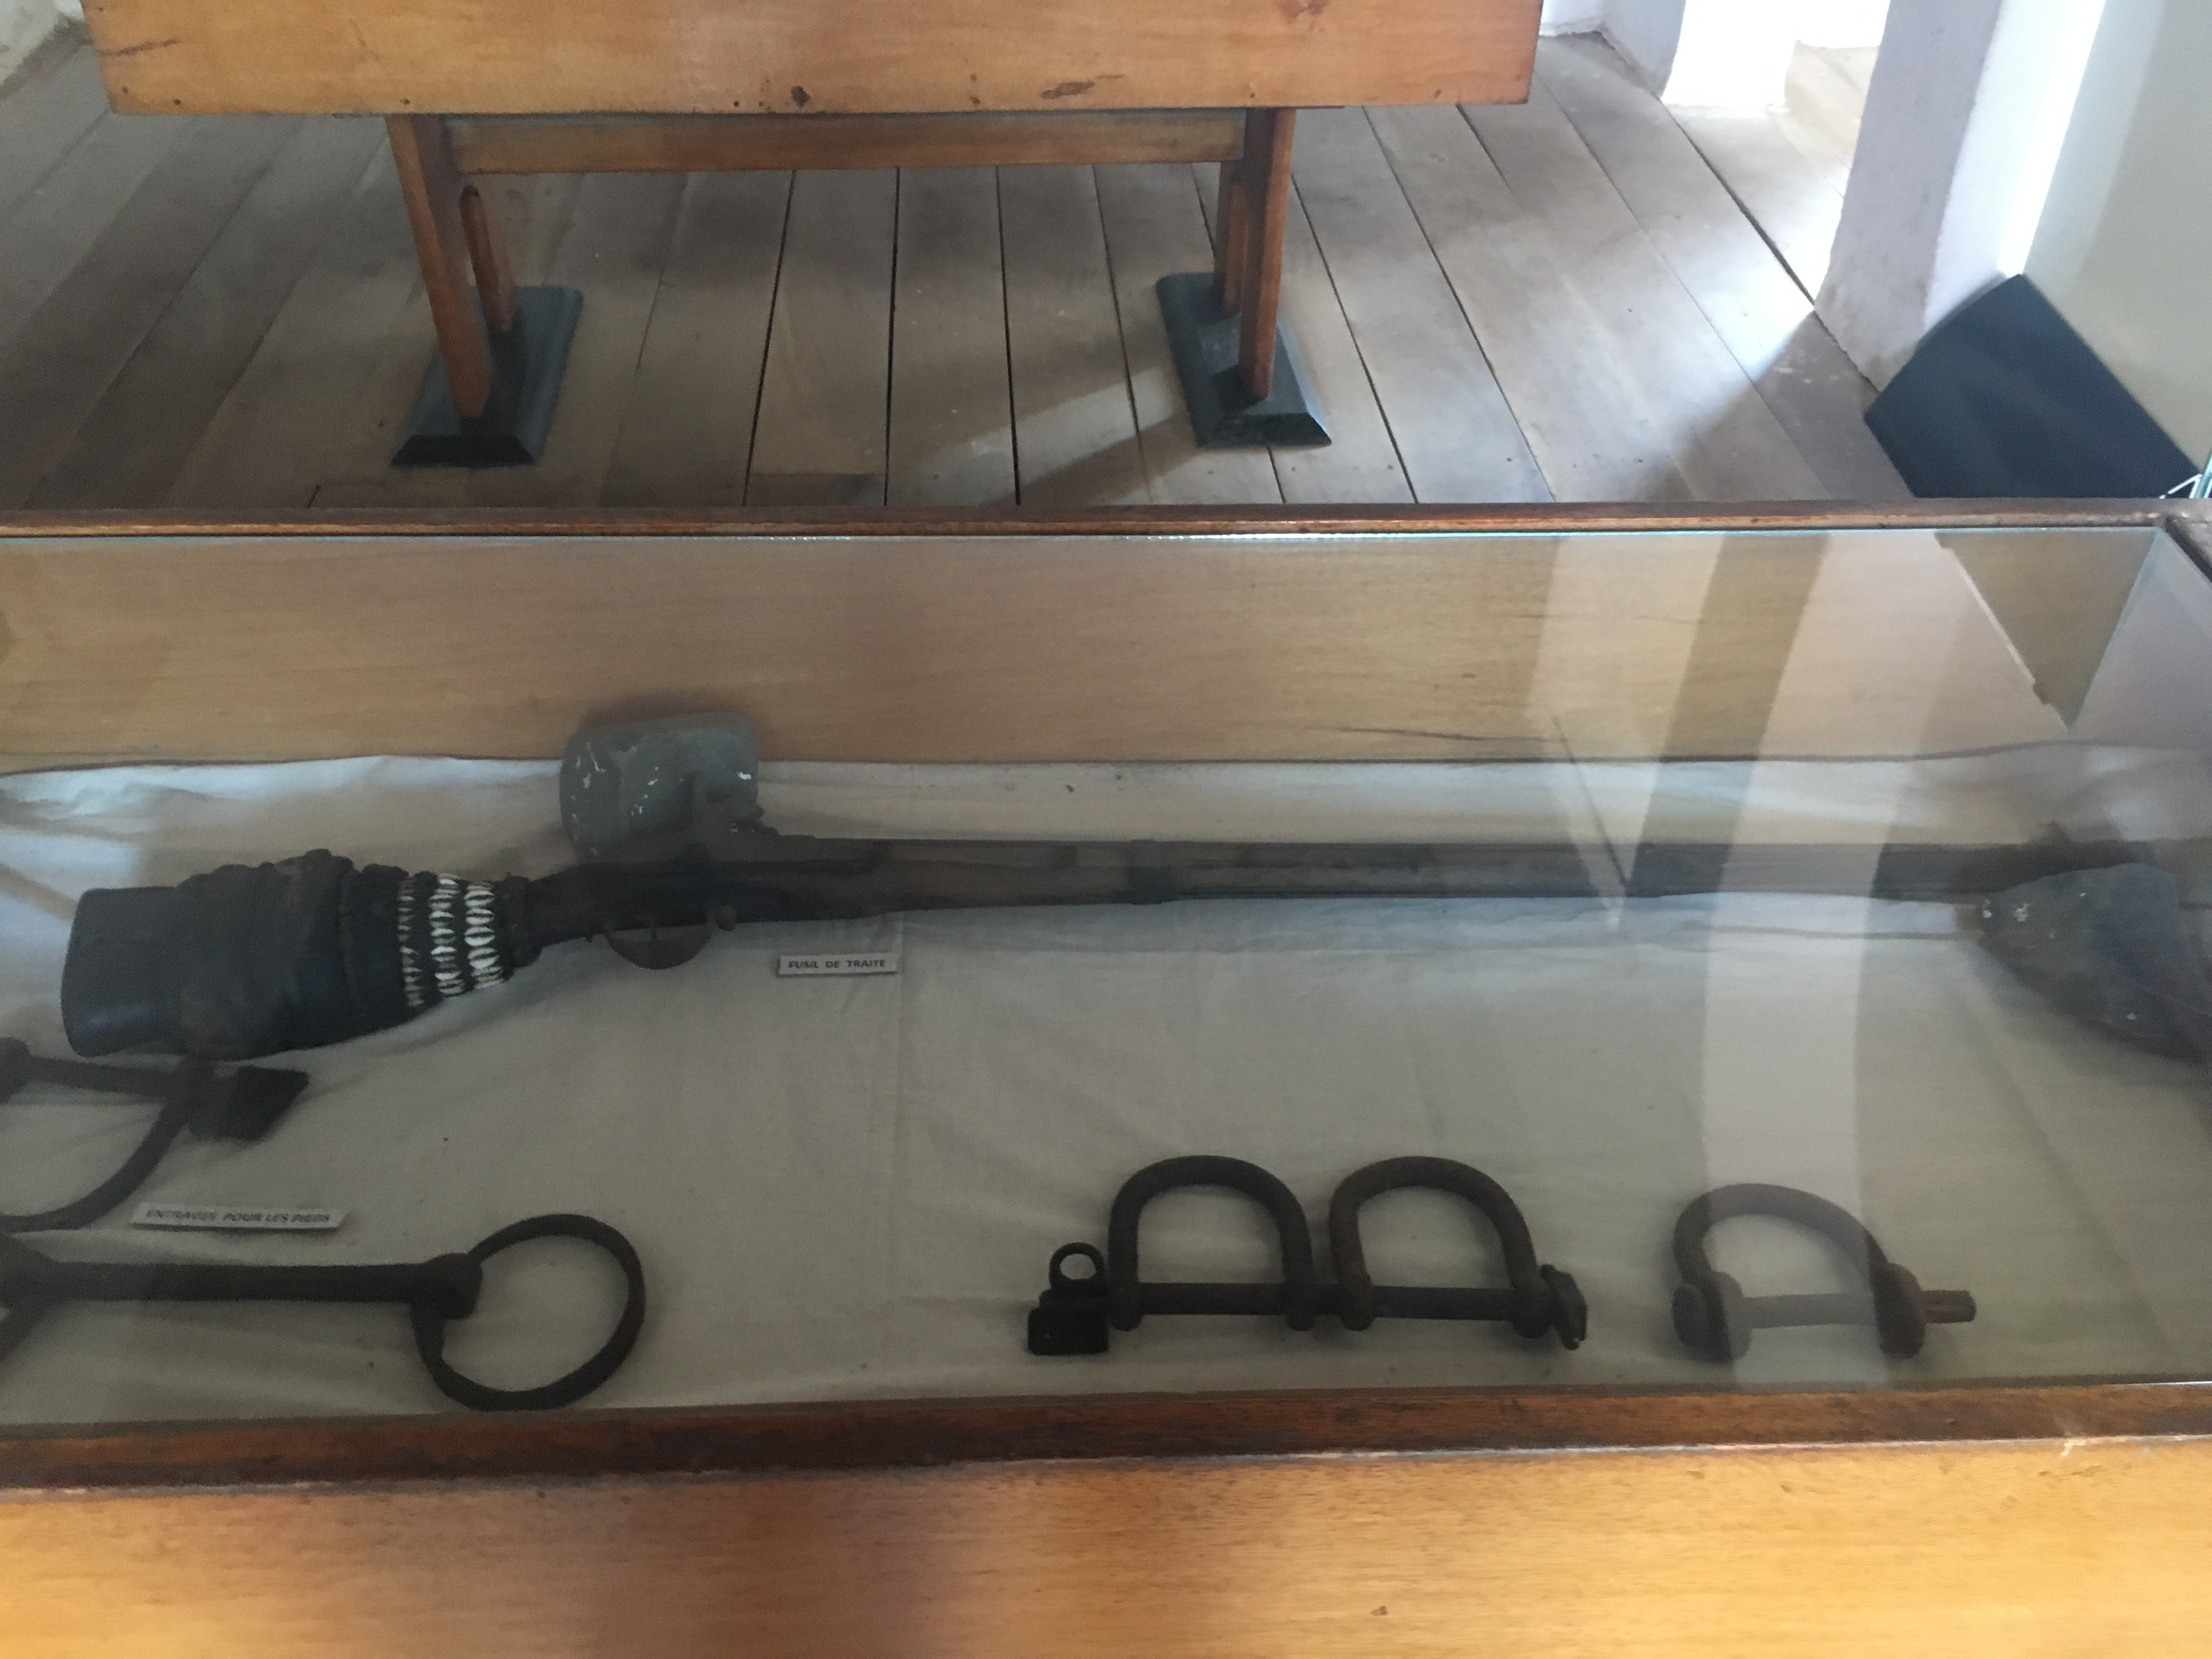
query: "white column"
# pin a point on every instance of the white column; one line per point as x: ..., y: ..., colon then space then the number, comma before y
x: 1964, y: 121
x: 23, y: 25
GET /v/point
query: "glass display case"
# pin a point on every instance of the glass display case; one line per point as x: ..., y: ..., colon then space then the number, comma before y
x: 1545, y: 979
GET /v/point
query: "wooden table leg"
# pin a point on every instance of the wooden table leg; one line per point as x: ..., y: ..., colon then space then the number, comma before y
x: 1224, y: 326
x: 1265, y: 183
x: 434, y: 186
x: 488, y: 254
x: 1232, y: 238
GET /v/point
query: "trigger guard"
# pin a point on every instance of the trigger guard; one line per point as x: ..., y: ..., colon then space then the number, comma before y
x: 658, y: 948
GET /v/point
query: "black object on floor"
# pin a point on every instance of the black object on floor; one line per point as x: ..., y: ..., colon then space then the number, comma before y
x: 527, y: 362
x: 2115, y: 949
x: 1076, y: 1316
x: 2004, y: 398
x: 1715, y: 1319
x: 434, y: 1293
x: 1223, y: 415
x: 241, y: 1104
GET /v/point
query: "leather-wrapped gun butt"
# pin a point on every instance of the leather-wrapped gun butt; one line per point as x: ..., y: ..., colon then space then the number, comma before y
x: 257, y: 959
x: 249, y: 960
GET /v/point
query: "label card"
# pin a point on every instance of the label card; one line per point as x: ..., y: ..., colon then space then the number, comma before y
x: 830, y: 966
x: 239, y: 1218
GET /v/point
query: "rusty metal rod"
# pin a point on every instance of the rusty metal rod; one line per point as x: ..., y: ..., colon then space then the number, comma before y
x: 1849, y: 1308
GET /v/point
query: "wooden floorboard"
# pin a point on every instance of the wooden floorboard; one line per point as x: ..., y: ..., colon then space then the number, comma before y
x: 1359, y: 463
x: 951, y: 409
x: 360, y: 473
x: 138, y: 438
x: 1075, y: 428
x: 1453, y: 430
x: 273, y: 440
x: 1722, y: 438
x: 74, y: 345
x: 821, y: 437
x: 1752, y: 303
x: 1787, y: 167
x: 1156, y: 228
x: 688, y: 427
x: 57, y: 224
x: 1565, y: 367
x: 1796, y: 202
x: 613, y: 249
x: 54, y: 101
x: 1825, y: 102
x: 1563, y: 299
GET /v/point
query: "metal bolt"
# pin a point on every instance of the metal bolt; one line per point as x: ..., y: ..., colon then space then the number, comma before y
x: 1765, y: 1313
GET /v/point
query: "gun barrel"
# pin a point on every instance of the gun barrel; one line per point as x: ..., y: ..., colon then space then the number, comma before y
x: 251, y: 960
x: 799, y: 878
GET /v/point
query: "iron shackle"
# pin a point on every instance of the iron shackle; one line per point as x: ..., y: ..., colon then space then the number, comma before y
x: 1126, y: 1294
x: 1715, y: 1318
x: 1538, y: 1299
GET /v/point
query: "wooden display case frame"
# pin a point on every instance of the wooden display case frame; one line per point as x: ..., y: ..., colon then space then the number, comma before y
x: 1991, y: 1519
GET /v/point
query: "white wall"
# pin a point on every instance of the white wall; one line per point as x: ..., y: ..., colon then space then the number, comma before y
x: 1842, y: 23
x: 24, y: 24
x: 1734, y: 53
x: 1572, y: 17
x: 2124, y: 245
x: 1964, y: 121
x: 1646, y: 33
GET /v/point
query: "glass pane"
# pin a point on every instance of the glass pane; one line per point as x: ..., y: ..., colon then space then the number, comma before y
x: 1870, y: 865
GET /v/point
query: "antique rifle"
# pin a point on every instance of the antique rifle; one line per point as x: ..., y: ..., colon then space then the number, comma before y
x: 251, y: 960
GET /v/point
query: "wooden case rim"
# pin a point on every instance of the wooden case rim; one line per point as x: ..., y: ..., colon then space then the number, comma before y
x: 1560, y: 518
x: 856, y: 1435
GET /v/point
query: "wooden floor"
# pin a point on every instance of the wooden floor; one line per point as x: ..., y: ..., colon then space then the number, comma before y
x: 1787, y: 168
x: 1495, y: 304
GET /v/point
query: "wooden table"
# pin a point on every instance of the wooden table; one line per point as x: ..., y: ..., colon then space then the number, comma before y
x: 2062, y: 1515
x: 576, y: 86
